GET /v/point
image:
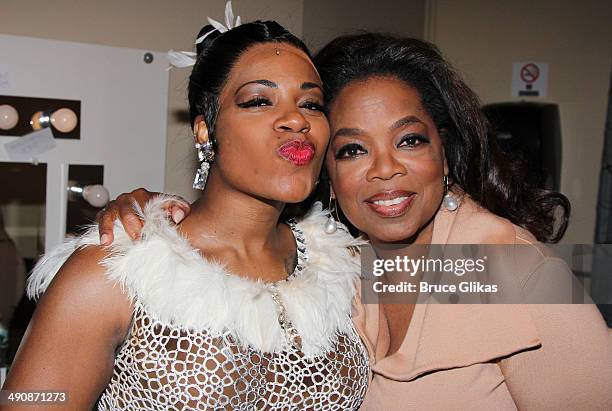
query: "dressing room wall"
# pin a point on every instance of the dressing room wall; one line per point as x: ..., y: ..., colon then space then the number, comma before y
x: 143, y: 24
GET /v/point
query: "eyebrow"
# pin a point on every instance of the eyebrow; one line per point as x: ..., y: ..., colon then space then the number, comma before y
x: 266, y: 83
x: 348, y: 132
x: 405, y: 121
x: 309, y: 86
x: 398, y: 124
x: 305, y: 86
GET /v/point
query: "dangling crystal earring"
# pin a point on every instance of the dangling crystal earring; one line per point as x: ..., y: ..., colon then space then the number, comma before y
x: 331, y: 226
x: 450, y: 202
x: 206, y: 155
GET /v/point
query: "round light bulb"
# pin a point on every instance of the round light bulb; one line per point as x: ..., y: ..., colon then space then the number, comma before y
x: 96, y: 195
x: 39, y: 120
x: 64, y: 120
x: 8, y: 117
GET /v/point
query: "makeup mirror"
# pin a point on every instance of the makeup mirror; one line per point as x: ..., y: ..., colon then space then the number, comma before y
x: 22, y: 241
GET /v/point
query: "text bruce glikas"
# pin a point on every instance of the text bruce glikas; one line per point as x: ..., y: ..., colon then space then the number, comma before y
x: 413, y: 266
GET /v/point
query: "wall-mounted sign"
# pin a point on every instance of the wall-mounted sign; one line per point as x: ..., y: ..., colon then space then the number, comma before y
x: 529, y: 79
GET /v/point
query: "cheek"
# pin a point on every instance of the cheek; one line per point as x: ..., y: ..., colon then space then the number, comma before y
x: 345, y: 178
x: 347, y: 181
x: 319, y: 131
x: 429, y: 174
x: 240, y: 148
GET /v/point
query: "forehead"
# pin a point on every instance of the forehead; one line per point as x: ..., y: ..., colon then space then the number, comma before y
x: 276, y: 61
x: 375, y: 98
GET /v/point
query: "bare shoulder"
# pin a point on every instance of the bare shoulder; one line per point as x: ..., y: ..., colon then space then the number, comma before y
x: 78, y: 324
x: 82, y: 282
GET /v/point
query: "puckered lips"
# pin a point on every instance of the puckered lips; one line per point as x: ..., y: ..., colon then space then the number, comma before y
x: 297, y: 152
x: 392, y: 203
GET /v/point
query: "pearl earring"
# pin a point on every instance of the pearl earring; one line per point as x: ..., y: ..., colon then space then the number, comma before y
x: 331, y: 226
x: 450, y: 202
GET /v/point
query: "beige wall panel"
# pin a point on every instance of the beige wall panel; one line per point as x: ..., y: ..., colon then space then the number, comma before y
x: 326, y: 19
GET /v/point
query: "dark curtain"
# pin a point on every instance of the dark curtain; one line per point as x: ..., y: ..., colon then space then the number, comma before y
x: 601, y: 286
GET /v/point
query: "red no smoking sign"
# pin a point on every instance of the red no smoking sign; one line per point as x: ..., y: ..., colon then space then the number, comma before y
x: 530, y: 73
x: 529, y: 79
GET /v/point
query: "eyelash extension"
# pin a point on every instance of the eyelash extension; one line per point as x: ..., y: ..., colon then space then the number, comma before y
x: 260, y: 101
x: 420, y: 139
x: 311, y: 105
x: 256, y: 102
x: 344, y: 150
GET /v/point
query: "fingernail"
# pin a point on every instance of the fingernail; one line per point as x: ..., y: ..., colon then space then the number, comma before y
x: 178, y: 216
x: 104, y: 239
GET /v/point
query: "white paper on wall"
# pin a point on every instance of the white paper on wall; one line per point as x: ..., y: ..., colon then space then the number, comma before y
x: 30, y: 146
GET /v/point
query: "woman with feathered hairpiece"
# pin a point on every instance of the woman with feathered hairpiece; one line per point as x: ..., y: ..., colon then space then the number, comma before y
x: 239, y: 307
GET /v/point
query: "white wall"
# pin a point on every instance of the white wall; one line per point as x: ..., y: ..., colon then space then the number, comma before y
x: 122, y: 121
x: 483, y: 37
x: 144, y: 24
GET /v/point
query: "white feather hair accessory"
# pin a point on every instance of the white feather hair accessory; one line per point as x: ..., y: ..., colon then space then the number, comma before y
x: 183, y: 59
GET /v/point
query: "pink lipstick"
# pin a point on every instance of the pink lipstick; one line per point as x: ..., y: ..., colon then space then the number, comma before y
x: 390, y: 203
x: 297, y: 152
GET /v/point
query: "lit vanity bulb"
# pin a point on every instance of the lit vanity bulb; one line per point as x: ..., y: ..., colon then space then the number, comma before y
x: 39, y: 120
x: 8, y: 117
x: 64, y: 120
x: 96, y: 195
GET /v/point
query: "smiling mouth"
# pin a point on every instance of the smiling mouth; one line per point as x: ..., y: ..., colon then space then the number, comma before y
x: 297, y: 152
x: 391, y: 203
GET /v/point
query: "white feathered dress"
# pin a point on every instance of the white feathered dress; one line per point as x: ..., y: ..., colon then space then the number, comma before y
x: 203, y: 338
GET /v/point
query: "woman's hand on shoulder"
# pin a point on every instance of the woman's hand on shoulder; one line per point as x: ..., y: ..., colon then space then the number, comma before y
x: 122, y: 208
x: 70, y: 343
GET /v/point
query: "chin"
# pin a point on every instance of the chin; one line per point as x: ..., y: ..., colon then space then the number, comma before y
x: 289, y: 196
x: 392, y: 234
x: 388, y: 237
x: 295, y: 191
x: 293, y: 198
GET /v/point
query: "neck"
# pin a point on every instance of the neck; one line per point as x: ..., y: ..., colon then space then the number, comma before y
x: 414, y: 248
x: 229, y: 217
x: 422, y: 237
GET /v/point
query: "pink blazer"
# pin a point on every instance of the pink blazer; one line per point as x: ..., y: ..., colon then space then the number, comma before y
x: 490, y: 357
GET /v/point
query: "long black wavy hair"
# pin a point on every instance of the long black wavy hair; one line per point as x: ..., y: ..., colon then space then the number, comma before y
x: 475, y: 162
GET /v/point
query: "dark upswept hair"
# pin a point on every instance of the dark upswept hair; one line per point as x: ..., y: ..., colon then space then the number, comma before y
x: 215, y: 58
x: 475, y: 162
x: 217, y: 55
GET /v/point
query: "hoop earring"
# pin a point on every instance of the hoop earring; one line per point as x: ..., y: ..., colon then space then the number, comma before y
x: 206, y: 155
x: 331, y: 226
x: 450, y: 202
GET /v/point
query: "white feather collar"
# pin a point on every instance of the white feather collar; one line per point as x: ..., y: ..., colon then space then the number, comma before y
x: 177, y: 287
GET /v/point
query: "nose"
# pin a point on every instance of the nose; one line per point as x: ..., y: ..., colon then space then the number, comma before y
x: 292, y: 121
x: 384, y: 167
